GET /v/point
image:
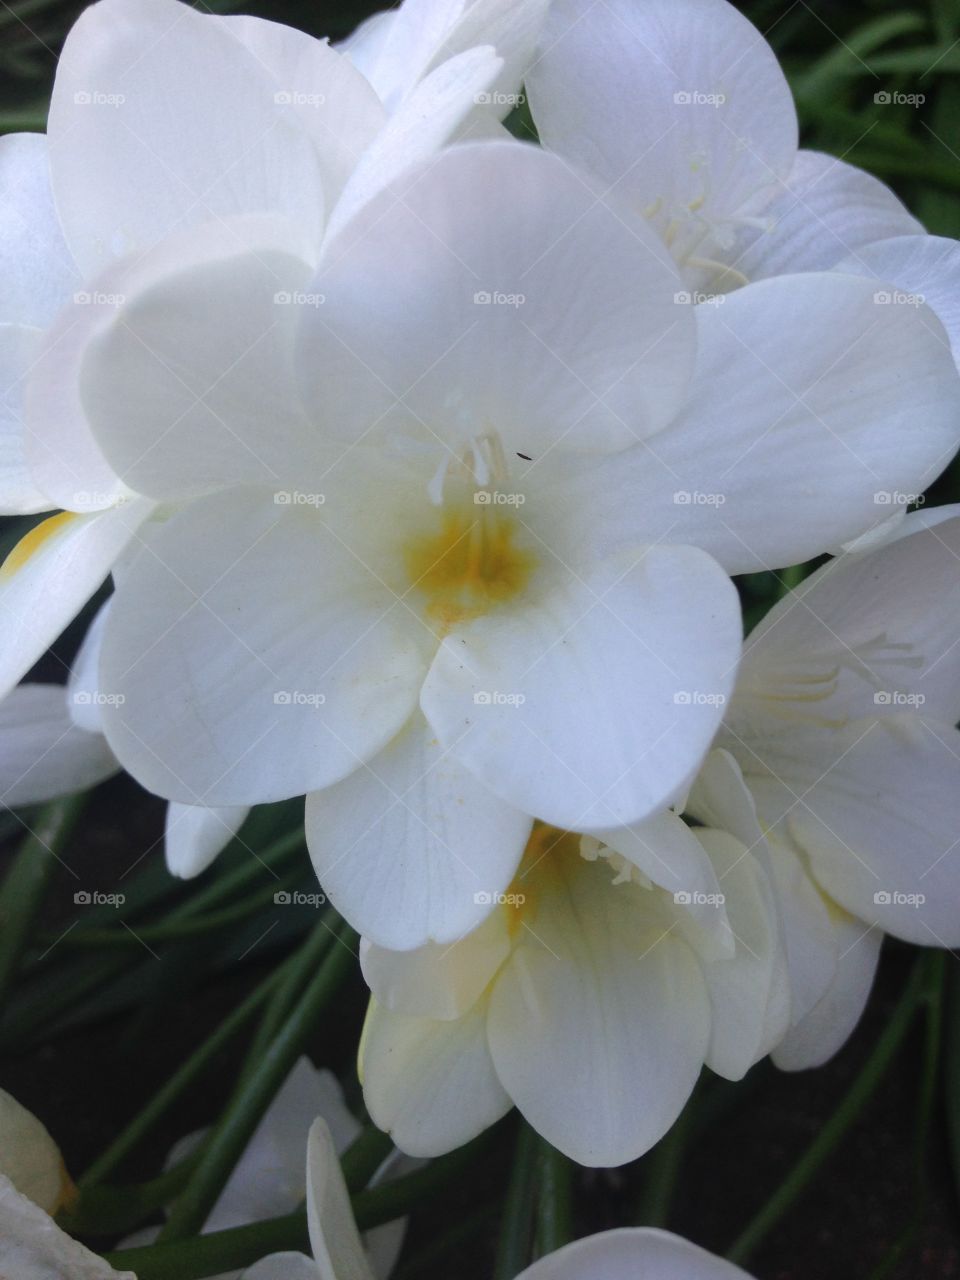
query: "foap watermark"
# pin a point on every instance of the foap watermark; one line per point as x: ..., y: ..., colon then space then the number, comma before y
x: 499, y: 99
x: 697, y: 298
x: 894, y: 498
x: 295, y: 898
x: 697, y: 898
x: 298, y: 698
x: 97, y: 698
x: 94, y: 898
x: 297, y: 298
x: 295, y: 498
x: 895, y: 698
x: 494, y: 698
x: 294, y: 98
x: 694, y: 498
x: 898, y: 298
x: 90, y: 500
x: 95, y: 299
x: 485, y: 898
x: 484, y: 298
x: 497, y: 498
x: 97, y: 98
x: 694, y: 98
x: 897, y: 898
x: 697, y: 698
x: 895, y: 98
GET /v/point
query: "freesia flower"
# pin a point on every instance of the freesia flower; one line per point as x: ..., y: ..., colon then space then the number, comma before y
x: 618, y: 963
x: 269, y: 1179
x: 843, y: 725
x: 679, y: 109
x: 164, y: 120
x: 34, y: 1185
x: 338, y: 1253
x: 439, y: 545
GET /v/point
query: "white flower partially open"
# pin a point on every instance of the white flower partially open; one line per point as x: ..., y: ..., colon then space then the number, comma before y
x: 338, y: 1253
x: 843, y: 724
x: 613, y: 968
x: 679, y: 109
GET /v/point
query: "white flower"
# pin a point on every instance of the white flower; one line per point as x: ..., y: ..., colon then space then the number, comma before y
x: 615, y: 966
x: 163, y: 120
x: 843, y: 727
x: 679, y: 109
x: 269, y: 1179
x: 338, y: 1253
x: 34, y: 1185
x: 452, y: 569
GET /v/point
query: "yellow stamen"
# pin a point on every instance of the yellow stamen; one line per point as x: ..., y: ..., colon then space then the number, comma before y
x: 34, y: 541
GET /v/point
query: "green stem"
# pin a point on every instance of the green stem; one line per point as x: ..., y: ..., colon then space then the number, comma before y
x: 843, y: 1117
x: 554, y: 1199
x: 791, y: 577
x: 364, y: 1156
x: 194, y: 1067
x: 254, y: 1094
x: 513, y: 1251
x: 26, y: 883
x: 241, y: 1246
x: 108, y: 1211
x: 662, y: 1169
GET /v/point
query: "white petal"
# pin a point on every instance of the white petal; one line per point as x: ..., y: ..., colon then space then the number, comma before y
x: 884, y: 621
x: 412, y: 848
x: 333, y: 102
x: 460, y: 302
x: 632, y: 1253
x: 743, y: 987
x: 32, y: 1246
x: 844, y: 398
x: 161, y: 118
x: 31, y: 1159
x: 427, y: 118
x: 51, y: 573
x: 824, y: 1030
x: 661, y: 103
x: 922, y: 268
x: 599, y: 1022
x: 334, y: 1238
x: 431, y: 1085
x: 35, y: 265
x: 439, y: 981
x: 822, y: 212
x: 283, y: 1266
x: 258, y: 657
x: 808, y: 927
x: 19, y: 494
x: 188, y: 382
x: 876, y: 812
x: 194, y: 836
x: 593, y: 704
x: 43, y: 754
x: 84, y: 699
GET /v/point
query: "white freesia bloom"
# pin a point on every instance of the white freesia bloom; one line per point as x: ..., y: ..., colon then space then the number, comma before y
x: 338, y: 1252
x: 164, y: 120
x: 843, y: 725
x: 445, y: 564
x: 269, y: 1179
x: 34, y: 1185
x: 679, y: 109
x: 617, y: 964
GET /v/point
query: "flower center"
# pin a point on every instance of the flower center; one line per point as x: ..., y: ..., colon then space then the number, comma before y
x: 473, y: 556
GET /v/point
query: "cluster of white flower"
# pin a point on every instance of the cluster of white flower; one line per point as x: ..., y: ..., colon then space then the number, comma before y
x: 592, y: 837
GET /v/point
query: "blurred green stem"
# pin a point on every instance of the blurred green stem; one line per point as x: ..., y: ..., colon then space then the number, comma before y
x: 843, y: 1117
x: 26, y: 883
x: 255, y: 1092
x: 513, y: 1252
x: 554, y: 1199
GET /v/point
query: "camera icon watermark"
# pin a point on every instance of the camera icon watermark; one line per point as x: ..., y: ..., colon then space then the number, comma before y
x: 295, y: 898
x: 896, y: 898
x: 494, y: 698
